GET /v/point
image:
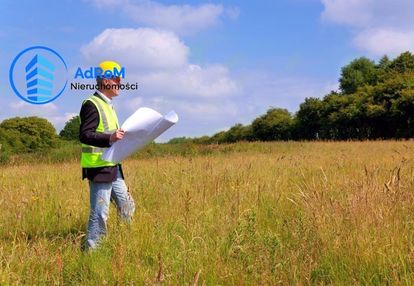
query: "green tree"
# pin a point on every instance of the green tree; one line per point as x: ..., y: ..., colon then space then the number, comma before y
x: 71, y: 129
x: 238, y: 133
x: 376, y: 101
x: 179, y: 140
x: 358, y: 73
x: 395, y: 101
x: 308, y: 119
x: 276, y: 124
x: 26, y: 134
x: 339, y: 116
x: 384, y: 62
x: 403, y: 63
x: 201, y: 140
x: 219, y: 137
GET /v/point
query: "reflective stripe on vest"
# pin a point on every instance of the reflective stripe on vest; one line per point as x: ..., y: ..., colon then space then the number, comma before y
x: 92, y: 149
x: 108, y: 123
x: 102, y: 113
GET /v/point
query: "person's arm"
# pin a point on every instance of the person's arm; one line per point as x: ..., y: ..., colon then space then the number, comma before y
x: 89, y: 117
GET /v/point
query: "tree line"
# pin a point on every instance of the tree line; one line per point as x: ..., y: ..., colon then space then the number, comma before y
x: 374, y: 101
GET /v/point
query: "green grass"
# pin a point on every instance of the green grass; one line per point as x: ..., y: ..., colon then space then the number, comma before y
x: 284, y: 213
x: 69, y: 151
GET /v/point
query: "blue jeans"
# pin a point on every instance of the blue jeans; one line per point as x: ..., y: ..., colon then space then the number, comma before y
x: 100, y: 196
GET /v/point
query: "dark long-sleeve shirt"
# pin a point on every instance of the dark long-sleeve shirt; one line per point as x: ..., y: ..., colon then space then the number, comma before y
x: 87, y: 134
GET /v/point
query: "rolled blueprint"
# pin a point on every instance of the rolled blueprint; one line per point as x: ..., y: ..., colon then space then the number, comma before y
x: 140, y: 128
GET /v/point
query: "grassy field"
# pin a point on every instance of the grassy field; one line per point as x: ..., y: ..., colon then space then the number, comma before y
x: 288, y: 213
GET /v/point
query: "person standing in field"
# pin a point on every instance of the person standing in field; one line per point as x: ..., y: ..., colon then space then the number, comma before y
x: 99, y: 129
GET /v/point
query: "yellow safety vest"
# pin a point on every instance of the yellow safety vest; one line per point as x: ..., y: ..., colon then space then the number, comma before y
x: 108, y: 124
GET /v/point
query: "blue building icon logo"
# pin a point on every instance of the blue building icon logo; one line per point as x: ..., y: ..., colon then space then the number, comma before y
x: 38, y: 75
x: 39, y: 78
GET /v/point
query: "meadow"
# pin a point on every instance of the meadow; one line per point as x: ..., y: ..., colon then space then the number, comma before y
x: 282, y: 213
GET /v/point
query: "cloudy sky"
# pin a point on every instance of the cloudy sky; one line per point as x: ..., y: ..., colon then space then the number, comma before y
x: 215, y: 63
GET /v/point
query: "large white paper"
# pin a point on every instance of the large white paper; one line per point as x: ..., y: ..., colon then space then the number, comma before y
x: 140, y: 128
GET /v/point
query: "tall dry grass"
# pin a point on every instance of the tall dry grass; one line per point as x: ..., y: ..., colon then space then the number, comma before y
x: 261, y: 214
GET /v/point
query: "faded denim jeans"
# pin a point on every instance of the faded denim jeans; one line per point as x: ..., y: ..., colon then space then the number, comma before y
x: 100, y: 196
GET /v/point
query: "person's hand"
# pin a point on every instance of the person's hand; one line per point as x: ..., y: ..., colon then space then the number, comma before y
x: 117, y: 135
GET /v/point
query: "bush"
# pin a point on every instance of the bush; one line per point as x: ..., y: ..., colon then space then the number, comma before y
x: 71, y: 129
x: 27, y: 134
x: 4, y: 155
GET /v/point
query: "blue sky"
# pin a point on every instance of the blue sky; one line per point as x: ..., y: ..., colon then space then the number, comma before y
x: 215, y: 63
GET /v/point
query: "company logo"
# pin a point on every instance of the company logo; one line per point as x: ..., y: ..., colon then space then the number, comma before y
x: 38, y: 75
x: 94, y: 72
x: 114, y: 73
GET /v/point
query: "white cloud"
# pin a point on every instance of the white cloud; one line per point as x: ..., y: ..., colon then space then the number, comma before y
x: 182, y: 19
x: 192, y: 81
x: 204, y: 96
x: 33, y: 109
x: 349, y: 12
x: 158, y: 60
x: 380, y: 26
x: 385, y: 41
x: 142, y: 48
